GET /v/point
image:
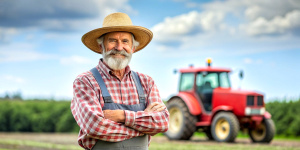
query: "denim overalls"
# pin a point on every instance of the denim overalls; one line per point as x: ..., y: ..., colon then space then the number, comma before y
x: 137, y: 143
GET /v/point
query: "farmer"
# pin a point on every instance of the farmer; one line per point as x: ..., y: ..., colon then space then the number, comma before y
x: 115, y: 107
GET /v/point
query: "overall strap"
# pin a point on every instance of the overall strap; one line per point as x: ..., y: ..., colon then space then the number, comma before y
x: 105, y: 94
x: 138, y: 85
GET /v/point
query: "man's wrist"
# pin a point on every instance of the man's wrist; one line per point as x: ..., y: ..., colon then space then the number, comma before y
x: 122, y: 116
x: 129, y: 118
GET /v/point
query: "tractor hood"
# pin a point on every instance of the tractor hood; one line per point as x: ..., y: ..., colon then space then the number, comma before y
x: 229, y: 91
x: 238, y: 100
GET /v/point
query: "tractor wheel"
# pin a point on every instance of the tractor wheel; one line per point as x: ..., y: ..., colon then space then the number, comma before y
x: 264, y: 133
x: 182, y: 124
x: 225, y: 127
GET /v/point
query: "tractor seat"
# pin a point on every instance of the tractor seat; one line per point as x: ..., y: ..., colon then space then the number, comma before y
x: 207, y: 85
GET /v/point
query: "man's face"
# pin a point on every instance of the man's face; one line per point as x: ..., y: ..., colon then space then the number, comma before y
x: 117, y: 50
x: 119, y: 41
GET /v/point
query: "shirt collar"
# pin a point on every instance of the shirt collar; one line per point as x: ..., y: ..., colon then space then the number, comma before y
x: 107, y: 71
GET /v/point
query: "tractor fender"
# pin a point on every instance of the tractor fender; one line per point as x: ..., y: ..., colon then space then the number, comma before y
x: 267, y: 115
x: 221, y: 108
x: 190, y: 101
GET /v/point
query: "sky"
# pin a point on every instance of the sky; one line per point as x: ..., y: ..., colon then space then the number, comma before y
x: 41, y: 52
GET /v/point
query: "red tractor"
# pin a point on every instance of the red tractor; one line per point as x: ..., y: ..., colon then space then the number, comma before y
x: 206, y: 102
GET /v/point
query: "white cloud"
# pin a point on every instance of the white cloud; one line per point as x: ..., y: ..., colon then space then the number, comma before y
x: 232, y: 23
x: 269, y: 9
x: 253, y: 9
x: 6, y: 34
x: 251, y: 61
x: 267, y: 17
x: 253, y: 17
x: 248, y: 61
x: 289, y: 24
x: 228, y: 6
x: 13, y: 79
x: 20, y: 52
x: 75, y: 60
x: 174, y: 28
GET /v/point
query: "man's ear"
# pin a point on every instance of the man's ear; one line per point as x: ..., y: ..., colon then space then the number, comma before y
x: 133, y: 49
x: 100, y: 47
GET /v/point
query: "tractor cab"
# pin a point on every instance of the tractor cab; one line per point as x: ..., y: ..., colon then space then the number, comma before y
x: 206, y: 82
x: 203, y: 81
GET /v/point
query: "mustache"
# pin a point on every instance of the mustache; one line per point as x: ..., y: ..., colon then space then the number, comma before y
x: 114, y: 52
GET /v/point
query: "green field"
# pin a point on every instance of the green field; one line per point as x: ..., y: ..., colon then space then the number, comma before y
x: 68, y: 141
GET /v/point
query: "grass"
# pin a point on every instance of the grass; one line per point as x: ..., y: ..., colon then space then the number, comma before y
x: 207, y: 145
x: 219, y: 146
x: 245, y: 135
x: 282, y: 137
x: 28, y: 143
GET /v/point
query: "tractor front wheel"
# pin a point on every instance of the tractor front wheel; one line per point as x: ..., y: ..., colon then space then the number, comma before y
x: 264, y: 132
x: 182, y: 124
x: 225, y: 127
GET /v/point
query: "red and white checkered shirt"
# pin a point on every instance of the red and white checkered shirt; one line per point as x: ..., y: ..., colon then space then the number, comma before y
x: 88, y: 114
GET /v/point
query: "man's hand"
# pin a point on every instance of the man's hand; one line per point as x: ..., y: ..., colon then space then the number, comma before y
x: 155, y: 107
x: 115, y: 115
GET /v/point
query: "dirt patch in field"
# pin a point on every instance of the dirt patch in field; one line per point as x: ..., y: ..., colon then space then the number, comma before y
x: 243, y: 141
x: 21, y: 147
x: 38, y: 141
x: 66, y: 139
x: 71, y: 140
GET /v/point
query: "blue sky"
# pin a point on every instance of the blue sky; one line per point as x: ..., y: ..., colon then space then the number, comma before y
x: 41, y: 51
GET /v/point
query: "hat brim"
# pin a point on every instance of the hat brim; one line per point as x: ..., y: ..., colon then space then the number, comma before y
x: 141, y: 34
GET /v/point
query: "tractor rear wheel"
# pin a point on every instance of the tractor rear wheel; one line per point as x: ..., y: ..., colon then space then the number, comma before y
x: 182, y: 124
x: 264, y: 132
x: 225, y: 127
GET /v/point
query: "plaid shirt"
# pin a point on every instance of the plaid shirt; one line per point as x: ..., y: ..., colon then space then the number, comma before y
x: 88, y: 114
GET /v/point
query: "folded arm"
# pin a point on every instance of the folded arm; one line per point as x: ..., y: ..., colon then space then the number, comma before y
x: 155, y: 118
x: 88, y: 114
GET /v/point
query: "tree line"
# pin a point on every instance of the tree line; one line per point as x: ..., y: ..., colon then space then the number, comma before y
x: 36, y: 116
x: 55, y: 116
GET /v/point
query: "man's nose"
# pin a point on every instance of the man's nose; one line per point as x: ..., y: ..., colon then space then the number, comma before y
x: 119, y: 46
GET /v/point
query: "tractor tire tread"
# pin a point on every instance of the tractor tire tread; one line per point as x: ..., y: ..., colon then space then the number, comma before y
x: 189, y: 121
x: 270, y: 127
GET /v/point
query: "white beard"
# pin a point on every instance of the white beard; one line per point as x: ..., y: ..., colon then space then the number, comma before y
x: 116, y: 63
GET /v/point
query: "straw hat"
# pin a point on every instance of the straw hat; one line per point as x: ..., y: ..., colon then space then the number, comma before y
x: 117, y: 22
